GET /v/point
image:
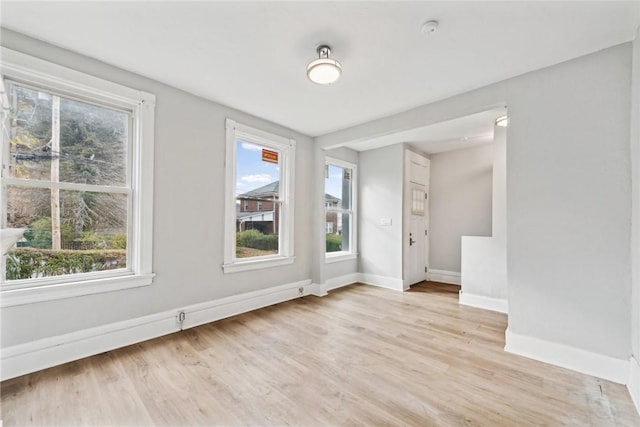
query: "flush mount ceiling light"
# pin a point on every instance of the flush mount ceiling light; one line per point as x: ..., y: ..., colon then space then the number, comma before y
x: 323, y: 70
x: 502, y: 121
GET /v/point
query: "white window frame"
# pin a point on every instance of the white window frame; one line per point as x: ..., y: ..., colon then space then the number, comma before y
x: 286, y: 147
x: 31, y: 71
x: 331, y: 257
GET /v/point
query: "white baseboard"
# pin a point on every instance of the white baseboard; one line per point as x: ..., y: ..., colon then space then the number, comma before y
x: 444, y: 276
x: 339, y: 282
x: 634, y: 382
x: 321, y: 290
x: 382, y: 281
x: 41, y: 354
x: 487, y: 303
x: 586, y: 362
x: 318, y: 290
x: 210, y: 311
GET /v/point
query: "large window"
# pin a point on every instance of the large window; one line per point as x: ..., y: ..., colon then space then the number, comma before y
x: 340, y: 209
x: 76, y: 185
x: 259, y: 208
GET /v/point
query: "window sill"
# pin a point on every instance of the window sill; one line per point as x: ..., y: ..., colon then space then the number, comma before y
x: 14, y: 297
x: 339, y: 256
x: 256, y: 264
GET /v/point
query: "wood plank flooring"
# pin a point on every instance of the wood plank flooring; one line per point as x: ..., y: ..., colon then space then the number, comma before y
x: 359, y: 356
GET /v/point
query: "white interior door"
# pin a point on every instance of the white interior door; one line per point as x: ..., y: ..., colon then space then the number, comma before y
x: 417, y: 218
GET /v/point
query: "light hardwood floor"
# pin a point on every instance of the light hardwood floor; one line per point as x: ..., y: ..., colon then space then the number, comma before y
x: 359, y: 356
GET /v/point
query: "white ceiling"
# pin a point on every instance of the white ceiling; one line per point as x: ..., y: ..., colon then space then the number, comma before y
x: 252, y: 55
x: 462, y: 132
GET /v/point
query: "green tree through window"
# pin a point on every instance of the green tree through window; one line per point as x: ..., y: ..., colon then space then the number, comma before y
x: 68, y: 162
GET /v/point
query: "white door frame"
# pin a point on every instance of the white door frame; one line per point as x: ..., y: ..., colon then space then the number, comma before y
x: 415, y: 178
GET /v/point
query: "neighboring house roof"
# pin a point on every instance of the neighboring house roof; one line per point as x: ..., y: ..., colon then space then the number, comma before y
x: 264, y: 191
x: 272, y: 189
x: 329, y: 198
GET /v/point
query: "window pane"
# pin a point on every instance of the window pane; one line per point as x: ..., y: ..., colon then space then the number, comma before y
x: 92, y: 141
x: 338, y: 187
x: 91, y: 236
x: 338, y: 228
x: 338, y: 197
x: 257, y: 200
x: 417, y: 201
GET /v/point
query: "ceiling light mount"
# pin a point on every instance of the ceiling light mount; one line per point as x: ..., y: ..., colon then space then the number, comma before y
x: 324, y: 70
x: 430, y: 27
x: 323, y: 51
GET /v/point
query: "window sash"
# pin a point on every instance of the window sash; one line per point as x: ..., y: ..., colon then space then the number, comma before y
x: 97, y: 101
x: 351, y: 211
x: 46, y: 184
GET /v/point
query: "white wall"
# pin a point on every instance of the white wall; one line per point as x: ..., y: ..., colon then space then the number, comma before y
x: 460, y: 202
x: 634, y: 385
x: 499, y: 192
x: 635, y: 150
x: 568, y: 195
x: 569, y: 203
x: 381, y: 197
x: 188, y: 212
x: 484, y: 259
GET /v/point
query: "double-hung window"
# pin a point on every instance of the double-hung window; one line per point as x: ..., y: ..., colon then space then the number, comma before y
x: 340, y: 209
x: 259, y: 178
x: 76, y: 184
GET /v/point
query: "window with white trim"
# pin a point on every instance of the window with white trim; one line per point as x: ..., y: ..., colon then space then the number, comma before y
x: 76, y: 188
x: 340, y: 188
x: 259, y: 177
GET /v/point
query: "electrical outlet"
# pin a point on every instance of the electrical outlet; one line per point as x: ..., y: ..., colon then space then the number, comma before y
x: 180, y: 317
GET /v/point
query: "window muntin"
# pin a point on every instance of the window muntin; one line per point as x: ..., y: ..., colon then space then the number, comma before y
x: 98, y: 173
x: 261, y: 182
x: 340, y: 202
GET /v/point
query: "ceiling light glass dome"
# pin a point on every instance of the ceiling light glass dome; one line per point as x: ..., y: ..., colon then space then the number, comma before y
x: 323, y: 70
x: 502, y: 121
